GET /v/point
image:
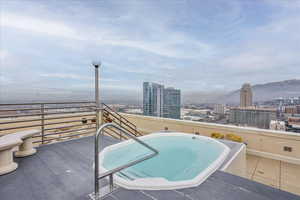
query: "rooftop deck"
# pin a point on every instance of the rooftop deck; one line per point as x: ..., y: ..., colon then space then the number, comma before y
x: 64, y: 171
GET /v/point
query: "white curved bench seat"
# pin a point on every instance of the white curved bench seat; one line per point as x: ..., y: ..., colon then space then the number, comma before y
x: 7, y: 143
x: 26, y: 148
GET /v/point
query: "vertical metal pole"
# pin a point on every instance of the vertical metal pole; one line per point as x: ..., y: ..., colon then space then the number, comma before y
x: 97, y: 166
x: 120, y: 132
x: 97, y: 98
x: 111, y: 182
x: 102, y: 116
x: 43, y: 121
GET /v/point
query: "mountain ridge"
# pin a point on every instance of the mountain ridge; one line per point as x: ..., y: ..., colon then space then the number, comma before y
x: 267, y: 91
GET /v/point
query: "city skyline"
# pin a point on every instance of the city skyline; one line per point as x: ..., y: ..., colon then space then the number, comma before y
x: 187, y: 46
x: 266, y: 92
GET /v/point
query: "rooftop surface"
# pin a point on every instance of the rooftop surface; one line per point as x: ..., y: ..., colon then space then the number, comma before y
x: 65, y: 171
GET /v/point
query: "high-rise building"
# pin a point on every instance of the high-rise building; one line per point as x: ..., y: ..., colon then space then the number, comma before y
x: 251, y: 116
x: 171, y: 103
x: 161, y: 102
x: 246, y: 96
x: 153, y: 99
x: 219, y: 109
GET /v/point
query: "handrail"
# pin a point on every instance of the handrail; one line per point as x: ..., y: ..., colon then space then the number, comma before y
x: 120, y: 119
x: 112, y: 171
x: 56, y: 108
x: 119, y: 114
x: 38, y: 103
x: 50, y: 113
x: 124, y: 127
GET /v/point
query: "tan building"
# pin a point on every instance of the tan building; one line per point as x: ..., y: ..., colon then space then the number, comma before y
x: 246, y: 96
x: 290, y: 109
x: 252, y: 116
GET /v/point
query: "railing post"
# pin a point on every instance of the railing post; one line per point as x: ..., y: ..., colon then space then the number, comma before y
x: 120, y: 132
x: 43, y: 121
x: 111, y: 182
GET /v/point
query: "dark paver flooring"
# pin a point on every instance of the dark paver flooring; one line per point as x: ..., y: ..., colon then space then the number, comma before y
x: 64, y: 171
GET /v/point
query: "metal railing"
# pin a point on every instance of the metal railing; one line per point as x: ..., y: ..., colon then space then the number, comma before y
x: 109, y: 115
x: 111, y: 172
x: 56, y: 120
x: 59, y: 120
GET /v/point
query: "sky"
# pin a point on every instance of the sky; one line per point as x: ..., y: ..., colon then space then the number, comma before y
x: 209, y: 46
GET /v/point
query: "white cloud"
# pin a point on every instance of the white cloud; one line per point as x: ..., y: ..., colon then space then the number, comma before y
x: 269, y: 47
x: 248, y: 61
x: 165, y: 47
x: 43, y: 26
x: 4, y: 80
x: 7, y: 60
x: 65, y: 76
x: 76, y: 77
x: 3, y: 55
x: 289, y: 4
x: 170, y: 44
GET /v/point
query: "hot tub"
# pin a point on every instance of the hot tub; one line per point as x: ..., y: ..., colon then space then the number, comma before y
x: 184, y: 160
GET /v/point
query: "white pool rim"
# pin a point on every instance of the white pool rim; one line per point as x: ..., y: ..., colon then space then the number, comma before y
x: 162, y: 183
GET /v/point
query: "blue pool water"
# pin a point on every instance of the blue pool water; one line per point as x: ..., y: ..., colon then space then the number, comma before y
x: 180, y: 158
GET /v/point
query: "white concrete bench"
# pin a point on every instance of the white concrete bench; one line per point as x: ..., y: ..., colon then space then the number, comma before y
x: 26, y: 148
x: 7, y: 143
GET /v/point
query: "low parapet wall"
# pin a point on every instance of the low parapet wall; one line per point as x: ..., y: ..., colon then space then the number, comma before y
x: 260, y: 142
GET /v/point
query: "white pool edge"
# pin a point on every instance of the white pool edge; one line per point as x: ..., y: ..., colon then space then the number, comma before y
x: 228, y: 163
x: 161, y: 183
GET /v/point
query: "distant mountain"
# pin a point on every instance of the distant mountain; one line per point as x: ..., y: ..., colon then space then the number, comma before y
x: 267, y: 91
x: 261, y: 92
